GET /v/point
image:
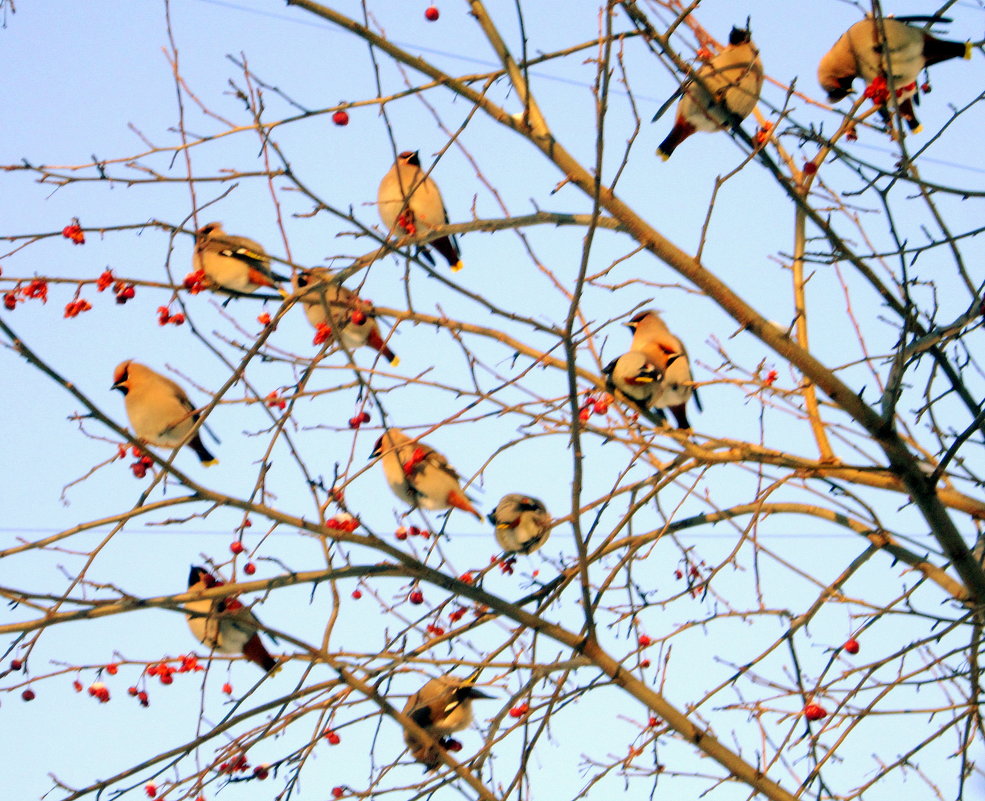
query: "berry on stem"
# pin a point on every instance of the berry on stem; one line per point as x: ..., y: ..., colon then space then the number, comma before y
x: 431, y: 13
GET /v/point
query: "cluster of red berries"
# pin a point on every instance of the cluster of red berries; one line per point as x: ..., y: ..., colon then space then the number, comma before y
x: 195, y: 282
x: 140, y: 695
x: 815, y: 712
x: 164, y: 316
x: 343, y: 522
x: 457, y: 614
x: 359, y: 419
x: 771, y: 377
x: 165, y: 672
x: 437, y: 631
x: 506, y: 566
x: 76, y: 307
x: 704, y: 54
x: 332, y: 736
x: 237, y: 763
x: 99, y: 691
x: 143, y: 463
x: 124, y: 291
x: 406, y: 221
x: 763, y: 134
x: 520, y: 710
x: 275, y: 401
x: 105, y: 279
x: 322, y: 334
x: 36, y: 289
x: 75, y: 233
x: 413, y: 531
x: 593, y: 405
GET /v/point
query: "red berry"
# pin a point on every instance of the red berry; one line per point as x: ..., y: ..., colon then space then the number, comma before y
x: 151, y: 789
x: 520, y: 710
x: 9, y: 301
x: 28, y: 695
x: 357, y: 594
x: 814, y: 712
x: 810, y: 168
x: 130, y: 691
x: 851, y: 646
x: 355, y: 422
x: 111, y: 669
x: 644, y: 663
x: 585, y: 413
x: 341, y: 117
x: 261, y: 772
x: 166, y: 678
x: 431, y: 13
x: 358, y: 317
x: 416, y: 597
x: 332, y: 737
x: 77, y: 686
x: 364, y: 417
x: 16, y: 664
x: 227, y: 688
x: 401, y: 533
x: 142, y: 697
x: 652, y: 721
x: 337, y: 792
x: 236, y: 546
x: 453, y: 745
x: 644, y: 641
x: 249, y: 568
x: 264, y: 319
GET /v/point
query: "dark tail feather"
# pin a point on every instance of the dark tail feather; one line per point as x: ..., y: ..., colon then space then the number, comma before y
x: 202, y: 452
x: 697, y: 401
x: 448, y: 248
x: 681, y: 131
x: 255, y: 652
x: 937, y: 50
x: 680, y: 415
x: 375, y: 341
x: 909, y: 115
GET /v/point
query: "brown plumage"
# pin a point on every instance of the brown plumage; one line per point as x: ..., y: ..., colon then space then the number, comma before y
x: 159, y: 410
x: 441, y: 707
x: 410, y: 205
x: 233, y: 262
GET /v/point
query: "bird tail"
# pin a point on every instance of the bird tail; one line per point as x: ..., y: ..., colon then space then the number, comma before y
x: 681, y: 131
x: 448, y: 248
x: 937, y: 50
x: 375, y: 341
x: 255, y: 652
x: 460, y: 501
x: 206, y: 458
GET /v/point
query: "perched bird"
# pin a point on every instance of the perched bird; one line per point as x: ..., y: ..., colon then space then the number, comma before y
x: 326, y: 302
x: 637, y: 377
x: 233, y: 262
x: 159, y: 410
x: 224, y: 624
x: 410, y: 204
x: 522, y: 523
x: 906, y: 50
x: 732, y: 82
x: 666, y: 352
x: 441, y: 707
x: 419, y: 475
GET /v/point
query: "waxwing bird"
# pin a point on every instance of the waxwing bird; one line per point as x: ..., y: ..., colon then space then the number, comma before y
x: 636, y: 377
x: 159, y: 410
x: 419, y: 475
x: 224, y: 624
x: 869, y: 50
x: 441, y: 707
x: 732, y: 83
x: 327, y: 302
x: 522, y: 523
x: 652, y: 338
x: 233, y: 262
x: 410, y: 204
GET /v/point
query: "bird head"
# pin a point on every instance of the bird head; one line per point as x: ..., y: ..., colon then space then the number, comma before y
x: 200, y: 575
x: 121, y: 377
x: 410, y: 157
x: 209, y: 230
x: 739, y: 36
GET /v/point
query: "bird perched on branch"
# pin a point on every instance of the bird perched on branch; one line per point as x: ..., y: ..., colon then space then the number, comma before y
x: 410, y: 205
x: 158, y: 409
x: 327, y: 302
x: 636, y: 377
x: 233, y: 262
x: 224, y: 624
x: 522, y: 523
x: 666, y: 353
x: 873, y: 50
x: 441, y: 707
x: 725, y: 92
x: 419, y: 475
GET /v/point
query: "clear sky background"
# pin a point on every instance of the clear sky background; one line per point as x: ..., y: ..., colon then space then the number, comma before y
x: 92, y: 81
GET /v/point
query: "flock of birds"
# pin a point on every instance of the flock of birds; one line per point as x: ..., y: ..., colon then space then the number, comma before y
x: 654, y: 374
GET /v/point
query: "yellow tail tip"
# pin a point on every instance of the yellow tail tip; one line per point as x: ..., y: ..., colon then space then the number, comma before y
x: 663, y: 156
x: 967, y: 49
x: 457, y: 266
x: 395, y: 361
x: 917, y: 130
x: 210, y: 463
